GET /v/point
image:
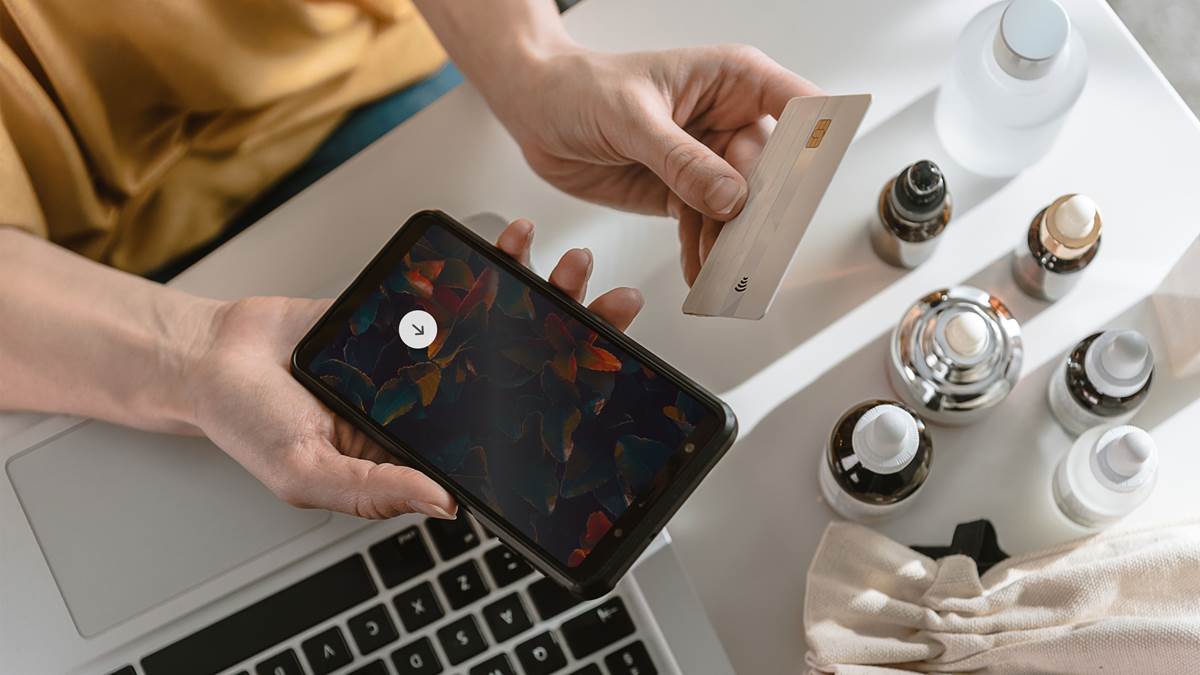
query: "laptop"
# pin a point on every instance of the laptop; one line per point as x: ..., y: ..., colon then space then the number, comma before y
x: 134, y: 553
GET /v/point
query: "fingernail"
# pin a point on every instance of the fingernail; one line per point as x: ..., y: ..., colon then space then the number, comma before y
x: 591, y: 260
x: 431, y: 510
x: 723, y: 195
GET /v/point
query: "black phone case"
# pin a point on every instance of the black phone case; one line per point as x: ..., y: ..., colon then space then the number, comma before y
x: 609, y: 571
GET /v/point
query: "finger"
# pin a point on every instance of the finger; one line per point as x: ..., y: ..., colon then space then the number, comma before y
x: 689, y: 244
x: 701, y: 178
x: 572, y: 272
x: 619, y: 307
x: 516, y: 240
x: 360, y: 487
x: 776, y: 85
x: 709, y: 229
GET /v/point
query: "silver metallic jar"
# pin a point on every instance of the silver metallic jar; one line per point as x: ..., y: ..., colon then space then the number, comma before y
x: 955, y: 354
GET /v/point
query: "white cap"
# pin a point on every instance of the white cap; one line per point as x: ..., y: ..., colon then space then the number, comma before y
x: 1035, y: 30
x: 1119, y: 362
x: 966, y: 334
x: 1125, y: 458
x: 885, y: 439
x: 1076, y: 217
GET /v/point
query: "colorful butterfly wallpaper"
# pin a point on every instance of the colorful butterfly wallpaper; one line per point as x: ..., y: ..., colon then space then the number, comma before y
x: 552, y: 425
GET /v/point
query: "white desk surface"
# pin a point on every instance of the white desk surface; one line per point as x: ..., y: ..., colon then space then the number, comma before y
x: 747, y: 535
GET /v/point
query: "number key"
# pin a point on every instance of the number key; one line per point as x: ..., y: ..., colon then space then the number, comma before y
x: 463, y: 584
x: 372, y: 629
x: 505, y: 565
x: 461, y: 639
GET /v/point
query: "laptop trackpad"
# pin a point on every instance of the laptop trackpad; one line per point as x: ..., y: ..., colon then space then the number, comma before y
x: 127, y: 520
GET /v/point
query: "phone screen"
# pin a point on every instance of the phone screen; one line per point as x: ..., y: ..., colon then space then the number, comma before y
x: 557, y: 429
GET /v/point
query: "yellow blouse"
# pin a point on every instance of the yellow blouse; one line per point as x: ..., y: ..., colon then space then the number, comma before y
x: 131, y: 131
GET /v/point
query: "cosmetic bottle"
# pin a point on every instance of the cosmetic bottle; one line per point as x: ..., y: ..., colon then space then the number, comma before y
x: 914, y: 208
x: 1017, y: 70
x: 876, y: 461
x: 955, y: 354
x: 1060, y: 243
x: 1104, y: 381
x: 1108, y: 473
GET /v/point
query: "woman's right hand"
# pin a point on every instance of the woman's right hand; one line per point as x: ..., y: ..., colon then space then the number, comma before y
x: 244, y: 398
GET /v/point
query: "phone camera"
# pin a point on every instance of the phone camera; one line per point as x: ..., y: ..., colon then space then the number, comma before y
x: 689, y: 447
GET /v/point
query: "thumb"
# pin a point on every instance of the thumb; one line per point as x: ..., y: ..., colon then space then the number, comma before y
x: 690, y: 169
x: 373, y: 490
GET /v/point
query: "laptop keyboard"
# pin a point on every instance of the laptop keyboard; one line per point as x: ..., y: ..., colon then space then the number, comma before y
x: 453, y: 600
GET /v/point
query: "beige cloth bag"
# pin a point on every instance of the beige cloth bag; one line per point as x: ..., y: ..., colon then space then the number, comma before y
x: 1126, y: 602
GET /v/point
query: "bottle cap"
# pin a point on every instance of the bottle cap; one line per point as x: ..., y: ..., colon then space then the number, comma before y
x: 1119, y: 362
x: 967, y: 334
x: 1077, y: 216
x: 885, y: 439
x: 1031, y: 34
x: 1124, y: 458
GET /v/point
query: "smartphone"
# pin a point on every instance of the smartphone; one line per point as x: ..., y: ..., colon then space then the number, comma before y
x: 561, y: 435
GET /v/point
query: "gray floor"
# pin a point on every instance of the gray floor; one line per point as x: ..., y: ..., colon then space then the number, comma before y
x: 1169, y: 30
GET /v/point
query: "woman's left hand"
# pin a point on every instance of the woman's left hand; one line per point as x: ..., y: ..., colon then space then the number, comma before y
x: 670, y: 132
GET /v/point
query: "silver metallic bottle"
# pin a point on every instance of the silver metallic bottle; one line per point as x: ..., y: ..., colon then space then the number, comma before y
x: 955, y: 354
x: 1104, y: 380
x: 876, y: 461
x: 1062, y: 240
x: 914, y: 209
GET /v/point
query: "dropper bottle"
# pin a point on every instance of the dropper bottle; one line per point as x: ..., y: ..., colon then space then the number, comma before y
x: 1105, y: 380
x: 1062, y: 240
x: 914, y: 209
x: 1108, y: 473
x: 876, y: 462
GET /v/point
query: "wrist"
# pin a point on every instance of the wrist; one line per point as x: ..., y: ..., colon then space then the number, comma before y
x: 185, y: 344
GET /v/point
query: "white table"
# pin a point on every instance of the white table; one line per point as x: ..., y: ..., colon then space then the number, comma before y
x: 747, y: 535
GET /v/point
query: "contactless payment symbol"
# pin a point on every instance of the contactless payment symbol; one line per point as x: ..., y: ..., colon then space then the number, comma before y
x: 418, y: 329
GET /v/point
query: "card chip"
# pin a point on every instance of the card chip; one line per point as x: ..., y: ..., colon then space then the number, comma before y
x: 818, y: 133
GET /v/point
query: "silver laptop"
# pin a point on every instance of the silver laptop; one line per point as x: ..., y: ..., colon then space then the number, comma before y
x: 135, y: 553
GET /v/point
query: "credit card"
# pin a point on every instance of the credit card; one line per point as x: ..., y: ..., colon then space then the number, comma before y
x: 754, y: 250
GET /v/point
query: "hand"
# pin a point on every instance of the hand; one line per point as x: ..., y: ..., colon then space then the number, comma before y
x: 249, y: 404
x: 669, y: 132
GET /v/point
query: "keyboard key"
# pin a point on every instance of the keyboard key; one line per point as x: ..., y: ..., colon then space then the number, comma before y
x: 266, y: 623
x: 507, y: 617
x: 505, y: 565
x: 463, y: 584
x: 283, y: 663
x: 632, y: 659
x: 541, y: 655
x: 127, y: 670
x: 550, y: 599
x: 497, y: 665
x: 417, y: 658
x: 418, y: 607
x: 589, y: 669
x: 452, y: 537
x: 372, y: 629
x: 461, y: 640
x: 376, y: 667
x: 598, y: 628
x: 326, y: 651
x: 401, y: 557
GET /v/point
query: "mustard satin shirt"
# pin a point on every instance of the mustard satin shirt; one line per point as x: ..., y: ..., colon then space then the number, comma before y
x: 132, y: 130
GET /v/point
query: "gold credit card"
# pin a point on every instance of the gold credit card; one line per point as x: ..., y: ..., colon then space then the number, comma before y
x: 753, y: 251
